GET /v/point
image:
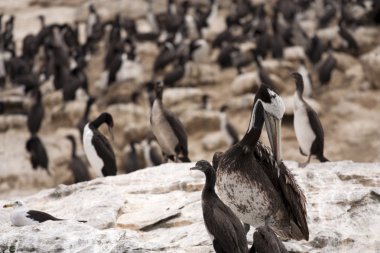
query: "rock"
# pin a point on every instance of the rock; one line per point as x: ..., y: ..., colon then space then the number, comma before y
x: 159, y: 209
x: 241, y: 103
x: 174, y: 96
x: 344, y: 61
x: 198, y: 74
x: 214, y: 141
x: 367, y: 38
x: 200, y: 120
x: 245, y: 83
x: 370, y: 62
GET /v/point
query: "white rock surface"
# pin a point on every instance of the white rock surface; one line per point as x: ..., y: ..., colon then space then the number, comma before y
x: 158, y: 209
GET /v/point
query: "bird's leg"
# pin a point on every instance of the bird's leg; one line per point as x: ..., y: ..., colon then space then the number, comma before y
x: 247, y: 227
x: 303, y: 165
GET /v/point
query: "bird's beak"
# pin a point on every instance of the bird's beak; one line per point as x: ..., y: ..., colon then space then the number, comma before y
x: 273, y: 126
x: 8, y: 205
x: 110, y: 129
x: 195, y: 168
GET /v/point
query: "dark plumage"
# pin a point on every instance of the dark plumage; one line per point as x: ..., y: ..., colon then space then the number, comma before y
x: 76, y: 165
x: 166, y: 56
x: 98, y: 149
x: 221, y: 223
x: 325, y: 70
x: 266, y: 241
x: 257, y: 186
x: 36, y: 112
x: 352, y: 45
x: 38, y: 154
x: 131, y: 160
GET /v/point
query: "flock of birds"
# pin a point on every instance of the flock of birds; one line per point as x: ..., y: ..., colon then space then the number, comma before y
x: 253, y: 185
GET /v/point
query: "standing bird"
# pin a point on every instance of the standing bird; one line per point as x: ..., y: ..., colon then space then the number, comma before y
x: 76, y: 165
x: 308, y: 128
x: 22, y: 216
x: 266, y: 241
x: 152, y: 154
x: 36, y: 112
x: 168, y: 130
x: 227, y: 128
x: 255, y: 184
x: 325, y: 70
x: 131, y: 160
x: 97, y: 148
x: 38, y: 155
x: 225, y: 229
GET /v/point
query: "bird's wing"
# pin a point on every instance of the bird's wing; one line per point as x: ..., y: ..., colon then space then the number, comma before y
x: 172, y: 77
x: 315, y: 123
x: 296, y: 200
x: 104, y: 150
x: 228, y: 228
x: 40, y: 216
x: 178, y: 128
x: 284, y: 182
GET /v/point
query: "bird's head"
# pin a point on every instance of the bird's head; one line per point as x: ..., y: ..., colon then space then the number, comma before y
x: 299, y: 82
x: 203, y: 166
x: 16, y: 204
x: 274, y: 109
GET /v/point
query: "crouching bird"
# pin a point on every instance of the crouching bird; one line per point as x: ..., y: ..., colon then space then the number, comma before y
x: 225, y: 229
x: 23, y: 216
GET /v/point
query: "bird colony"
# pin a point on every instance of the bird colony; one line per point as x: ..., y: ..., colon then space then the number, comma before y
x: 227, y: 88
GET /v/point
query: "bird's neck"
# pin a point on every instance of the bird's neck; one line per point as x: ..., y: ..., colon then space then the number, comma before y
x: 209, y: 186
x: 255, y: 126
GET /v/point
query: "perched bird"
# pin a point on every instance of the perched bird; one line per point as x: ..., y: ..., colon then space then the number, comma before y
x: 308, y: 128
x: 168, y: 130
x: 325, y: 70
x: 266, y: 241
x: 97, y: 148
x: 225, y: 229
x: 131, y: 160
x: 38, y: 154
x: 22, y: 216
x: 76, y: 165
x: 36, y: 112
x: 255, y: 184
x: 152, y: 154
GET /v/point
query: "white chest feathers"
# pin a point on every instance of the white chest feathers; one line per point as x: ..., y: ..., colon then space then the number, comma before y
x: 307, y: 89
x: 19, y: 217
x: 304, y: 133
x: 89, y: 149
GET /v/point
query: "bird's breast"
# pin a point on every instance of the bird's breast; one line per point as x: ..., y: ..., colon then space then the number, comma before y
x: 247, y: 199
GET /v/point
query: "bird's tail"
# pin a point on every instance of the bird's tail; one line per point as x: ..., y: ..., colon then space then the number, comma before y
x: 184, y: 159
x: 322, y: 159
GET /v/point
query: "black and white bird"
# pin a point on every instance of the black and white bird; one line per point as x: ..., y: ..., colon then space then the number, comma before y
x: 266, y: 241
x: 227, y: 128
x: 36, y: 112
x: 131, y: 161
x: 255, y: 184
x: 38, y: 154
x: 22, y: 216
x: 307, y: 126
x: 76, y: 165
x: 152, y: 153
x: 168, y: 130
x: 325, y: 69
x: 225, y: 229
x: 97, y: 147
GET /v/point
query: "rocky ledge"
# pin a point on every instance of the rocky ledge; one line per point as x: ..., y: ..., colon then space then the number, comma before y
x: 159, y: 209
